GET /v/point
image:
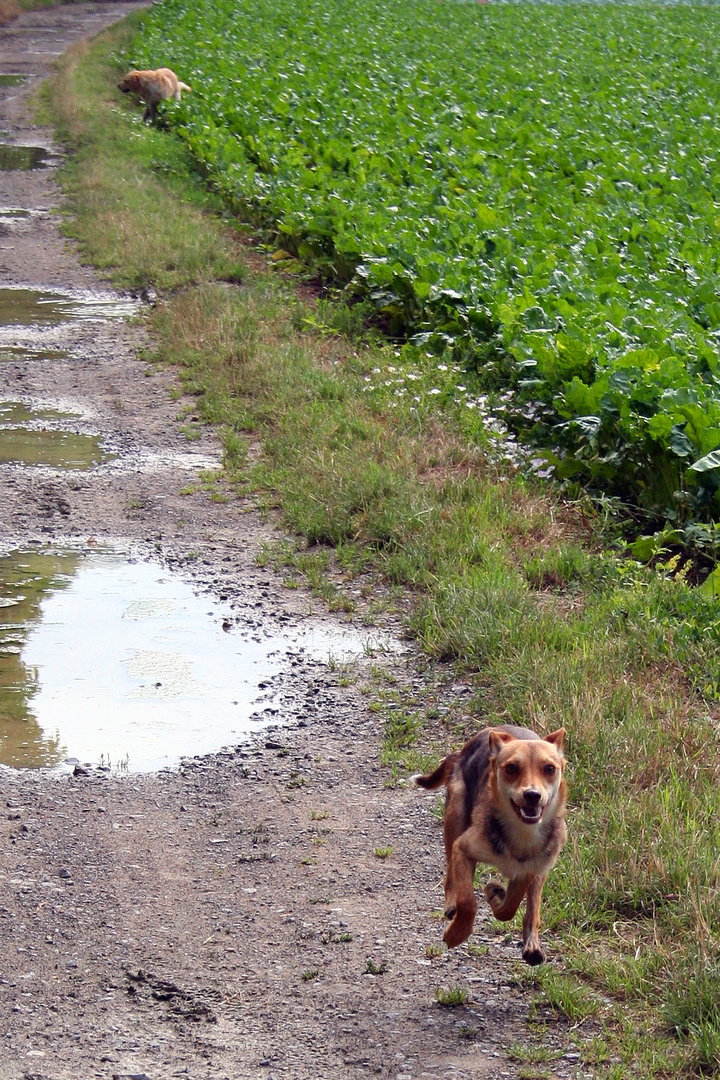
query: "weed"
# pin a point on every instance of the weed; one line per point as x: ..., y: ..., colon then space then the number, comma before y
x: 451, y: 997
x: 574, y: 1001
x: 532, y: 1054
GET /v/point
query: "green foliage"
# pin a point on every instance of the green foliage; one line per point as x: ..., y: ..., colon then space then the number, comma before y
x: 452, y: 996
x: 693, y: 1011
x: 530, y: 185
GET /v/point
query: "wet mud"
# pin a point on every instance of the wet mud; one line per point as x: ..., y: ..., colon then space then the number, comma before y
x: 253, y: 902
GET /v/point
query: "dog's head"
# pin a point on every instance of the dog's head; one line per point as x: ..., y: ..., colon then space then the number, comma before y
x: 527, y: 773
x: 130, y: 82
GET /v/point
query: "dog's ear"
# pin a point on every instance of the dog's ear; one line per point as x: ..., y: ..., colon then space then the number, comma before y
x: 556, y: 738
x: 496, y: 741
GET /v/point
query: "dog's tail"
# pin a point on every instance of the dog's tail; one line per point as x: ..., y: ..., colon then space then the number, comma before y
x: 436, y: 779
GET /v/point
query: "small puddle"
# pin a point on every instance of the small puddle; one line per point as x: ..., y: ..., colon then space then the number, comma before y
x: 23, y: 157
x: 40, y: 437
x: 31, y: 307
x: 20, y: 352
x: 116, y: 662
x: 11, y: 215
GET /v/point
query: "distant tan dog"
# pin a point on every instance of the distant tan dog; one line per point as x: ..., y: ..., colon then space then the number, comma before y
x: 153, y: 87
x: 505, y: 806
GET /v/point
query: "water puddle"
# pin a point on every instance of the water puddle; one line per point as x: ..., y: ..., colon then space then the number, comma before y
x: 117, y: 662
x: 13, y: 215
x: 41, y: 437
x: 32, y: 307
x: 23, y: 157
x: 21, y: 352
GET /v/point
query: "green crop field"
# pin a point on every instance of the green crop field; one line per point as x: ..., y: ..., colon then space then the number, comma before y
x: 533, y: 186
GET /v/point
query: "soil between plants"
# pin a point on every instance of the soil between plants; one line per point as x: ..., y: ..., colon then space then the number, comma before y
x: 228, y: 918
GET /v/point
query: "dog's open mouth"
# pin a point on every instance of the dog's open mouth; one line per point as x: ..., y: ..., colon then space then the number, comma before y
x: 529, y: 816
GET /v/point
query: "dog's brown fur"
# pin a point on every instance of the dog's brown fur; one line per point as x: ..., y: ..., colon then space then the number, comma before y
x: 153, y: 87
x: 505, y: 806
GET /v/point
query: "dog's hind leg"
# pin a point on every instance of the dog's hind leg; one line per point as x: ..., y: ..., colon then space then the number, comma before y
x: 533, y: 952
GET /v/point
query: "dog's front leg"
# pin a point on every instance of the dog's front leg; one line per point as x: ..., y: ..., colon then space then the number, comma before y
x: 453, y: 828
x: 463, y: 872
x: 533, y: 952
x: 505, y: 902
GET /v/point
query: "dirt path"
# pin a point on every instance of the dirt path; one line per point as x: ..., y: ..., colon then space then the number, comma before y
x: 228, y: 918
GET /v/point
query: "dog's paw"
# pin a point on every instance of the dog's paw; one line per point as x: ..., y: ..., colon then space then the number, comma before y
x: 533, y: 955
x: 495, y: 894
x: 460, y: 928
x: 455, y: 935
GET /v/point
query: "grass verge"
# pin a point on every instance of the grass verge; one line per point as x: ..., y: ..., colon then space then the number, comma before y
x: 381, y: 474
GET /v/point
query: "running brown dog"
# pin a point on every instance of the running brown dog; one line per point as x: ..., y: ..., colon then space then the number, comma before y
x: 505, y: 806
x: 153, y: 87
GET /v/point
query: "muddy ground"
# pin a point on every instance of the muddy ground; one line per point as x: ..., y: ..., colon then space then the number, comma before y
x: 228, y: 917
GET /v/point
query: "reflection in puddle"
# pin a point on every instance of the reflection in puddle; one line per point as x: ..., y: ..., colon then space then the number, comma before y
x: 23, y: 157
x: 24, y: 579
x: 13, y: 215
x: 20, y: 352
x: 40, y: 437
x: 27, y: 307
x: 16, y: 412
x: 112, y: 661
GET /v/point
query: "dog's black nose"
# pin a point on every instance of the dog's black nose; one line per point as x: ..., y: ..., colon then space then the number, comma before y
x: 531, y: 797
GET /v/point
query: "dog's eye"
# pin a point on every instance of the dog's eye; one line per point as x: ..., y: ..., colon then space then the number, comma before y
x: 511, y: 769
x: 550, y: 770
